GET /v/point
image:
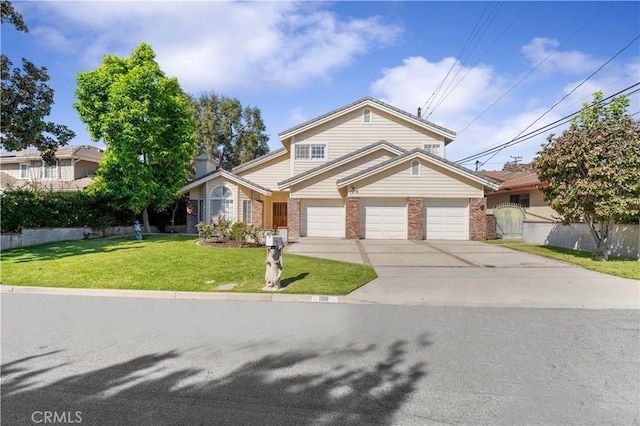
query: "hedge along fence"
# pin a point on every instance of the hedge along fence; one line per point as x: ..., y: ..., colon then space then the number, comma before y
x: 35, y: 209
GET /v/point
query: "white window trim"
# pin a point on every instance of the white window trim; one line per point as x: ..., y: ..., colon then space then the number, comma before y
x: 429, y: 148
x: 45, y: 166
x: 244, y: 211
x: 214, y: 215
x: 417, y: 163
x: 202, y: 206
x: 364, y: 114
x: 310, y: 152
x: 28, y: 171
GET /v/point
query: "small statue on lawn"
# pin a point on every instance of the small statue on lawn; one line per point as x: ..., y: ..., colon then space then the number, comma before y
x: 137, y: 231
x: 274, y: 268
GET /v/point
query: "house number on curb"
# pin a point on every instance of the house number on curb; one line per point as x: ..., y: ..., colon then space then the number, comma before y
x: 324, y: 299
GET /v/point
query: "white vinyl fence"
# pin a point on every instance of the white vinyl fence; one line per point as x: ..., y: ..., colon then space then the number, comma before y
x: 624, y: 239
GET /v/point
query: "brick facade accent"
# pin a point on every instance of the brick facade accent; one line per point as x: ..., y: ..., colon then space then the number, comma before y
x: 415, y: 219
x: 257, y: 213
x: 477, y: 219
x: 491, y: 227
x: 293, y: 218
x: 352, y: 218
x: 192, y: 216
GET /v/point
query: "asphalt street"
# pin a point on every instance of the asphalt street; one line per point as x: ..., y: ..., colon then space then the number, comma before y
x: 135, y: 361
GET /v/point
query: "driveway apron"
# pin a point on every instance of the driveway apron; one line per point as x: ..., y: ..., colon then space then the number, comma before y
x: 470, y: 273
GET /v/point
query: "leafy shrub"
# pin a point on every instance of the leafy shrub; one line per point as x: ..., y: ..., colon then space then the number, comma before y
x: 205, y: 231
x: 34, y: 208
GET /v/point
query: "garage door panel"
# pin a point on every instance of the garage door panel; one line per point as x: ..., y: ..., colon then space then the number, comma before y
x: 323, y: 218
x: 446, y: 219
x: 383, y: 219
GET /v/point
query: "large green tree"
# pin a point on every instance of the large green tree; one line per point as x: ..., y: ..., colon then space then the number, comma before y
x: 593, y: 169
x: 26, y: 102
x: 145, y: 121
x: 227, y: 131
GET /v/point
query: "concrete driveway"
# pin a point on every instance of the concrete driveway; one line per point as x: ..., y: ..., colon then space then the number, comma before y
x: 470, y: 273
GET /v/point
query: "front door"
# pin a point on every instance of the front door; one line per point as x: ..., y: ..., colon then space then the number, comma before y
x: 279, y: 215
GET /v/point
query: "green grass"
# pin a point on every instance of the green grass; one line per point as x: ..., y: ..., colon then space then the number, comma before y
x: 624, y: 268
x: 173, y: 263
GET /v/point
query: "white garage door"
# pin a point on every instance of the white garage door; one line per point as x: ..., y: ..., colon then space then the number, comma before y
x: 383, y: 219
x: 323, y: 218
x: 446, y: 219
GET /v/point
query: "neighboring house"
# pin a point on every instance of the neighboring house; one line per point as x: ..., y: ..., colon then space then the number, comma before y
x: 75, y: 165
x: 520, y: 186
x: 366, y: 170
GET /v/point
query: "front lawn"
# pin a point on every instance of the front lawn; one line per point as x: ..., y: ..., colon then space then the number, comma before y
x: 624, y: 268
x: 173, y: 263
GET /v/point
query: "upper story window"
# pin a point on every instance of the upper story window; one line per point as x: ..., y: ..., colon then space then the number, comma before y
x: 522, y: 199
x: 432, y: 148
x: 24, y: 171
x: 50, y: 171
x: 366, y: 116
x: 311, y: 152
x: 415, y: 168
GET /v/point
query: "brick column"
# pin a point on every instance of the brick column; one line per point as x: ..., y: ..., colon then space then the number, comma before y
x: 352, y: 218
x: 192, y: 216
x: 257, y: 213
x: 491, y: 227
x: 415, y: 213
x: 293, y: 218
x: 477, y: 219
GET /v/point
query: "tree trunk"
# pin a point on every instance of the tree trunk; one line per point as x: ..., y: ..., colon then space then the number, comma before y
x: 145, y: 221
x: 601, y: 238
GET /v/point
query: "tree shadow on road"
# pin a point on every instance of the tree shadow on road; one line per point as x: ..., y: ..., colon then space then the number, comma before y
x: 361, y: 386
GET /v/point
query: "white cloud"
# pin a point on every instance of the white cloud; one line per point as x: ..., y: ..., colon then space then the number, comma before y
x: 220, y: 45
x: 411, y: 85
x: 546, y: 51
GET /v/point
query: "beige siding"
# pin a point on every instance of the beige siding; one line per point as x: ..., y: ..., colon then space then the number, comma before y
x: 65, y: 169
x: 12, y: 170
x: 433, y: 182
x: 324, y: 185
x: 348, y: 133
x: 269, y: 173
x: 84, y: 168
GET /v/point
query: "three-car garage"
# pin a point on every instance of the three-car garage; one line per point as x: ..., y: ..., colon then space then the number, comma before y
x: 386, y: 218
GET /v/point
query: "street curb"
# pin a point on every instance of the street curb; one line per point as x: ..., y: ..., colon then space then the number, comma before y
x: 159, y: 294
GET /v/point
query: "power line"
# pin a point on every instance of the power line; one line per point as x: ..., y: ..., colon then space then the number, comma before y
x: 460, y: 54
x: 533, y: 70
x: 480, y: 58
x: 521, y: 138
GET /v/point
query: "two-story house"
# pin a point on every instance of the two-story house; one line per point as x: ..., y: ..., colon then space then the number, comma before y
x: 72, y: 171
x: 365, y: 170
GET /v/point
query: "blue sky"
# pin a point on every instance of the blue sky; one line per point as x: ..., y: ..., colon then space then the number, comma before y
x: 298, y: 60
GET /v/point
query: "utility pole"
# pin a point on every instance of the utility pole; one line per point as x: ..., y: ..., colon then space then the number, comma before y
x: 478, y: 164
x: 516, y: 158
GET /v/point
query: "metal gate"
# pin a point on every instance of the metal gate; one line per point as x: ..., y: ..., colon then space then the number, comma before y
x: 509, y: 218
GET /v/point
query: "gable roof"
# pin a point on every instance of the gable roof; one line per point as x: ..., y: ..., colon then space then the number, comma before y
x: 369, y: 101
x: 227, y: 175
x: 413, y: 154
x: 510, y: 181
x: 257, y: 161
x: 85, y: 152
x: 340, y: 161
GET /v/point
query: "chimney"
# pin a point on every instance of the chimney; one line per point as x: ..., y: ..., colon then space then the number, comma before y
x: 419, y: 112
x: 204, y: 164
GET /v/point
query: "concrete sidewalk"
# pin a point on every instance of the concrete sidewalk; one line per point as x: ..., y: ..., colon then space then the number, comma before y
x: 470, y: 273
